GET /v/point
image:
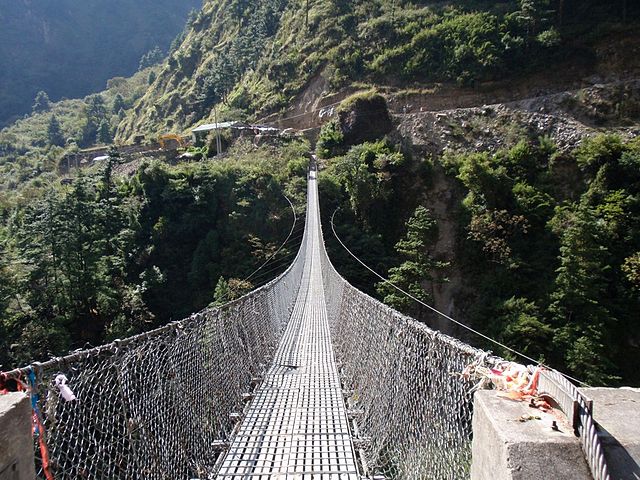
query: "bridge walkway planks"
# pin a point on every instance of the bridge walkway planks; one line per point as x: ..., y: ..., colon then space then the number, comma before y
x: 296, y: 427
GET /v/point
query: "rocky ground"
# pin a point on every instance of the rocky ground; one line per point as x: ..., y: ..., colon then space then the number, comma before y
x: 565, y: 117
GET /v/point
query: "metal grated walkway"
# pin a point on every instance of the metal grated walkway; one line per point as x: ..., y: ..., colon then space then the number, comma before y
x: 296, y: 427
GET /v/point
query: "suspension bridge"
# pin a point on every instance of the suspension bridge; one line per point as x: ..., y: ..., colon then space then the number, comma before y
x: 305, y: 377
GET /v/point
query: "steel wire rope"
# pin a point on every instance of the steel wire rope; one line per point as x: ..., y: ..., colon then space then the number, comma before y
x: 279, y: 261
x: 295, y: 220
x: 276, y: 265
x: 444, y: 315
x: 282, y: 262
x: 293, y: 226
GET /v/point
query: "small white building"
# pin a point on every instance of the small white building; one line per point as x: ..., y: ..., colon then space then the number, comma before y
x: 199, y: 134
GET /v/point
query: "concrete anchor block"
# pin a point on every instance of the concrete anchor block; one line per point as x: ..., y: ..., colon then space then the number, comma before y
x: 511, y: 443
x: 16, y: 445
x: 617, y: 414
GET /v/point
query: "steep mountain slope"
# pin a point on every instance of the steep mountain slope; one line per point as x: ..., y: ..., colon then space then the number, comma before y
x: 31, y: 151
x: 251, y: 59
x: 502, y: 186
x: 69, y: 48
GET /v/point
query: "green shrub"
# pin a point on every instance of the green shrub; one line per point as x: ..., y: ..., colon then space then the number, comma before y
x: 330, y: 141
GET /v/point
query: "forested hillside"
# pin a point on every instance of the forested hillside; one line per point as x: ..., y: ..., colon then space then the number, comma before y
x: 69, y: 49
x: 519, y: 218
x: 108, y: 256
x: 254, y: 58
x: 32, y: 148
x: 545, y: 247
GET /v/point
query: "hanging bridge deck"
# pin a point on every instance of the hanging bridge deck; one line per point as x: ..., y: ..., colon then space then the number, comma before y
x: 296, y: 426
x: 156, y: 405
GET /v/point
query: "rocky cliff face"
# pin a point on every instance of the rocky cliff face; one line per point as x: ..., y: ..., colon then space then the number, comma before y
x: 565, y: 117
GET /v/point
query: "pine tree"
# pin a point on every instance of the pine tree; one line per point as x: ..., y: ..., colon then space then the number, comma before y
x: 95, y: 107
x: 95, y: 113
x: 152, y: 57
x: 118, y: 104
x: 578, y: 307
x: 419, y: 265
x: 104, y: 132
x: 41, y: 103
x: 54, y: 132
x: 221, y: 293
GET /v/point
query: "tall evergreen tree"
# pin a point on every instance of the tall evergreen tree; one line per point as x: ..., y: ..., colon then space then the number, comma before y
x: 41, y: 103
x: 578, y: 307
x: 95, y: 113
x: 419, y: 266
x: 104, y: 132
x: 152, y: 57
x: 54, y: 132
x: 118, y: 104
x: 95, y: 107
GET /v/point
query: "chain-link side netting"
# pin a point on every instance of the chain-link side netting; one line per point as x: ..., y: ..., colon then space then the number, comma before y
x: 412, y: 409
x: 159, y: 405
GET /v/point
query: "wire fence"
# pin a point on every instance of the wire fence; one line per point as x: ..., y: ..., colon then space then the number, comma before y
x: 579, y: 411
x: 161, y: 404
x: 413, y: 413
x: 412, y: 410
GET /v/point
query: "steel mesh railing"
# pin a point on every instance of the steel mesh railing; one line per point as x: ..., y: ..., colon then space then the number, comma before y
x: 157, y: 405
x: 579, y: 411
x: 411, y: 408
x: 413, y: 413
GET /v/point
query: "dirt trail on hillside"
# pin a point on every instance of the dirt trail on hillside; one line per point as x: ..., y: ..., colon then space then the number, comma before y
x: 565, y: 117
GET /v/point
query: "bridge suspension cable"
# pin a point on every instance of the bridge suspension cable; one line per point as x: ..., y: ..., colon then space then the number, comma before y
x: 274, y: 254
x: 442, y: 314
x: 292, y: 379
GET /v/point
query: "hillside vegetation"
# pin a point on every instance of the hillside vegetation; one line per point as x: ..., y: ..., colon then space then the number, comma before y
x: 521, y: 220
x: 31, y: 148
x: 69, y: 48
x: 254, y: 58
x: 547, y: 243
x: 109, y: 256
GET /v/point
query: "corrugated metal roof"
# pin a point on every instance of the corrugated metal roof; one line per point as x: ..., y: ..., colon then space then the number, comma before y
x: 212, y: 126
